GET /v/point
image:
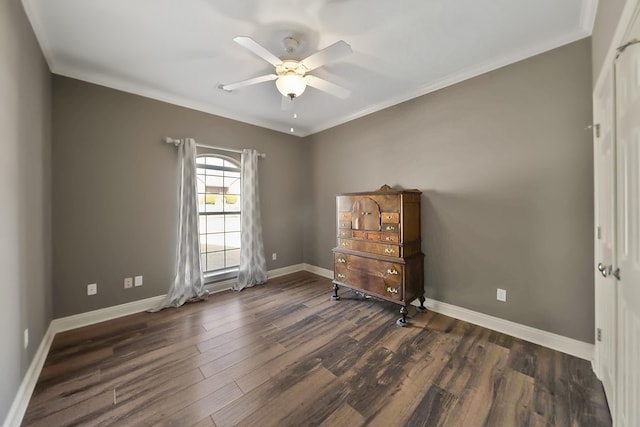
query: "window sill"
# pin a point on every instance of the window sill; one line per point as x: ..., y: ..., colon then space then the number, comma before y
x: 220, y: 275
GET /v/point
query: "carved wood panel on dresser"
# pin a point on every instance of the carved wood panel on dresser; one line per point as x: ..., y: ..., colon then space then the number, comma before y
x: 379, y: 246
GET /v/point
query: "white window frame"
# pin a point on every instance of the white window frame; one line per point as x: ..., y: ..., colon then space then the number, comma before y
x: 227, y: 271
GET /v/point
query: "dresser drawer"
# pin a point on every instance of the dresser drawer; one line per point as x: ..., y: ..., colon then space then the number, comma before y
x: 390, y: 228
x: 390, y: 217
x: 371, y: 275
x: 366, y: 235
x: 345, y: 216
x: 344, y: 233
x: 340, y: 267
x: 359, y: 234
x: 389, y: 237
x: 372, y: 247
x: 340, y: 260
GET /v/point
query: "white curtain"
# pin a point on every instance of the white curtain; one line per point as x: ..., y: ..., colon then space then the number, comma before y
x: 253, y: 266
x: 188, y: 283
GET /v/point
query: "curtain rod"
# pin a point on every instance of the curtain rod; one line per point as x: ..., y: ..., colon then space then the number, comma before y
x: 177, y: 142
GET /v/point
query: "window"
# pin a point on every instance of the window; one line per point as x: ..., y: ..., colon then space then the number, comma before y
x: 219, y: 213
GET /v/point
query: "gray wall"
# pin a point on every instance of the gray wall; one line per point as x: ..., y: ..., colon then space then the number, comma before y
x: 25, y: 229
x: 607, y: 18
x: 505, y: 167
x: 115, y: 184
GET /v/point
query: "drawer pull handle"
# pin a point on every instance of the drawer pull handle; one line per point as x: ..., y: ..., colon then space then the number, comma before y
x: 341, y: 260
x: 392, y: 271
x: 389, y: 251
x: 389, y: 227
x: 388, y: 238
x: 345, y: 243
x: 341, y: 276
x: 392, y: 290
x: 365, y: 213
x: 389, y: 217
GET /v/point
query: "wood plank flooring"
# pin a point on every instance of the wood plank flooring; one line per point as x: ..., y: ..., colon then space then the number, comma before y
x: 283, y: 354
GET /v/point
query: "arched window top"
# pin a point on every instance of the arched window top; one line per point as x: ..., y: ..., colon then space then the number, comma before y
x: 216, y: 160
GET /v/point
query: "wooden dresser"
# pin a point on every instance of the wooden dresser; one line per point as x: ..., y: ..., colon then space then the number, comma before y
x: 379, y: 247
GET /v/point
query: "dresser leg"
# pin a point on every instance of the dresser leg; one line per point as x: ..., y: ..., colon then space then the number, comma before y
x: 421, y: 308
x: 402, y: 322
x: 335, y: 296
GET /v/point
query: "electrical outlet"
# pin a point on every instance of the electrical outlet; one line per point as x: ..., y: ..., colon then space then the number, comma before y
x: 25, y: 338
x: 128, y: 282
x: 274, y: 256
x: 501, y: 295
x: 138, y: 281
x: 92, y: 289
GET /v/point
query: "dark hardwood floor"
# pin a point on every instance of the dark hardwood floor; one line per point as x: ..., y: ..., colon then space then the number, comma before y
x: 283, y: 354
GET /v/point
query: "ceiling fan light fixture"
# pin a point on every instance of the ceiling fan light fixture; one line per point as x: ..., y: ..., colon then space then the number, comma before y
x: 291, y: 85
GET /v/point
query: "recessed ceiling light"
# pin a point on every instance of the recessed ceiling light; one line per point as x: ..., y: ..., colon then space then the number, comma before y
x: 291, y: 130
x: 295, y: 115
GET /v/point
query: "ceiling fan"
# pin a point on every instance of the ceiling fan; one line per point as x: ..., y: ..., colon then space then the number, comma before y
x: 290, y: 74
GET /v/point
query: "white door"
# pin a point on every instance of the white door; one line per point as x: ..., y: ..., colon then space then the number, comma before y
x: 628, y: 225
x: 605, y: 283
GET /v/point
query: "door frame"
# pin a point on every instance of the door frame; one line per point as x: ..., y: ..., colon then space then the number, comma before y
x: 630, y: 12
x: 605, y: 338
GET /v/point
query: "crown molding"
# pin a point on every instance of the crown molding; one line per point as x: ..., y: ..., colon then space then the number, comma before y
x: 588, y: 15
x: 102, y: 79
x: 453, y: 79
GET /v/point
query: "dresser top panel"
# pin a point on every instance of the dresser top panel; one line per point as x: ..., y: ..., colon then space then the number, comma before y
x: 383, y: 191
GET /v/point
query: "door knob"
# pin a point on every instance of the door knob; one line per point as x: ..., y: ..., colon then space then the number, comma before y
x: 604, y: 270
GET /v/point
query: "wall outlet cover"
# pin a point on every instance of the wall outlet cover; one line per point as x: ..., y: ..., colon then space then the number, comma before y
x: 26, y: 338
x: 138, y: 281
x: 501, y: 295
x: 274, y: 256
x: 128, y: 282
x: 92, y: 289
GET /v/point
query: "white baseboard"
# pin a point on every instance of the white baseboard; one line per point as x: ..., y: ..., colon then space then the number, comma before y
x: 21, y: 401
x: 113, y: 312
x: 561, y: 343
x: 537, y: 336
x: 285, y: 270
x: 319, y: 271
x: 96, y: 316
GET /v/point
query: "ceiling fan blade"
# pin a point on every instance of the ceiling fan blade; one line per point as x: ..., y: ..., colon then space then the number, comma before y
x: 329, y: 54
x: 243, y: 83
x: 328, y: 87
x: 287, y: 103
x: 253, y: 46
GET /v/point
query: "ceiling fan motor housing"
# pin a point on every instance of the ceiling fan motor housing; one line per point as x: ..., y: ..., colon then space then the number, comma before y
x: 290, y: 67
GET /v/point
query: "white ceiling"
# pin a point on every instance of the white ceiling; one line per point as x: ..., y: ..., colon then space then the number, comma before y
x: 179, y: 51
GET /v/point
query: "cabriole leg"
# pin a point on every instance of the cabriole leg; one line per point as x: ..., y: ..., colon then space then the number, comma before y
x: 335, y: 296
x: 402, y: 322
x: 421, y: 308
